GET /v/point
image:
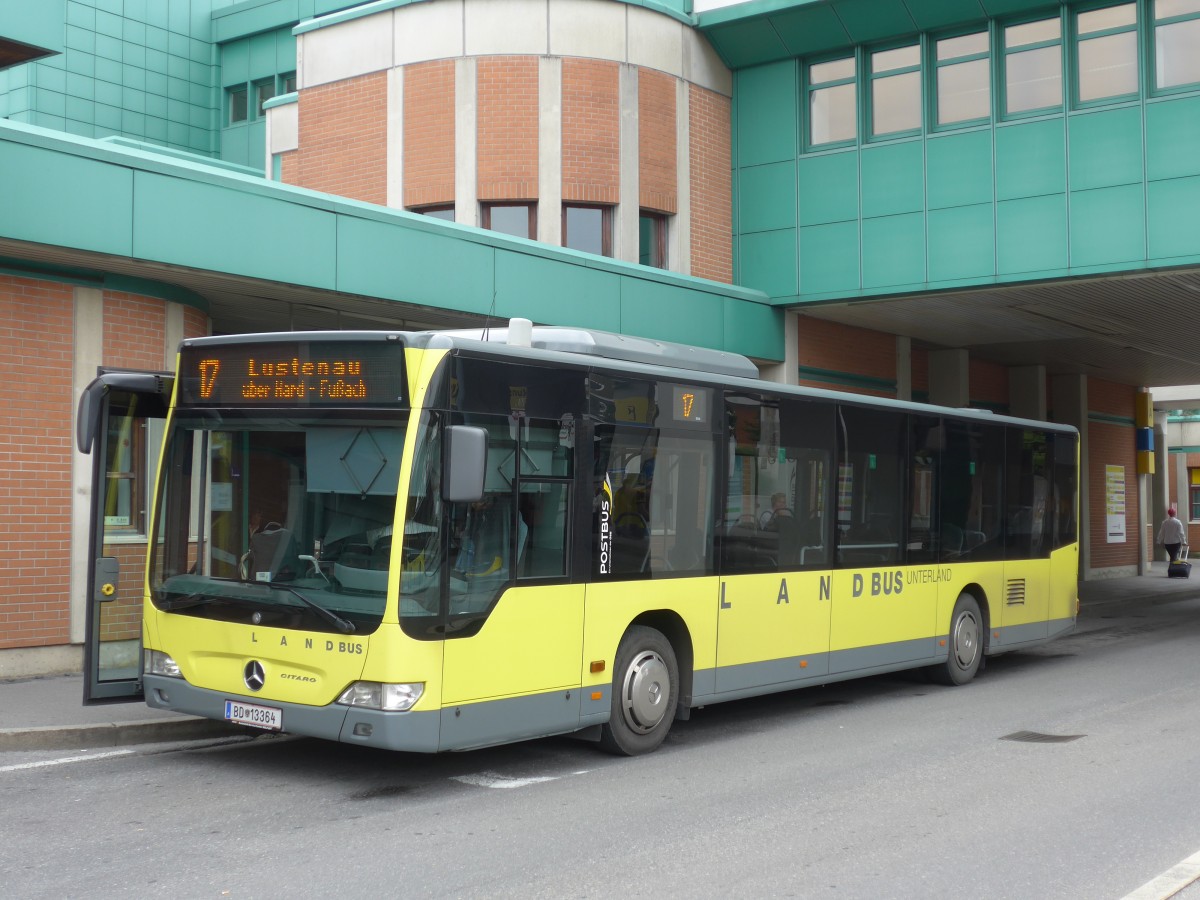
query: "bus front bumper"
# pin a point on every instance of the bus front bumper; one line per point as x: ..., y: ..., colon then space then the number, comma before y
x: 413, y: 731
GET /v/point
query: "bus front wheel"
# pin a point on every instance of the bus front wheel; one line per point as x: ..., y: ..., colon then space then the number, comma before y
x: 644, y: 693
x: 966, y: 643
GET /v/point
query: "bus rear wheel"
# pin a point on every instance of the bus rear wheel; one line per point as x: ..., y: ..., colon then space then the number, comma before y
x: 966, y: 643
x: 644, y: 693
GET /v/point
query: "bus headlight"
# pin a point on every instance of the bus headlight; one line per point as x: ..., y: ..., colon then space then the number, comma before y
x: 376, y: 695
x: 156, y: 663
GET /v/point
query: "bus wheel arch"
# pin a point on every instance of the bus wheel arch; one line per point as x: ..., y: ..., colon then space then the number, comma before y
x: 647, y: 684
x: 966, y: 639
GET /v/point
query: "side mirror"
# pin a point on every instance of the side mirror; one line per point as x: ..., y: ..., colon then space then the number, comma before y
x: 465, y: 463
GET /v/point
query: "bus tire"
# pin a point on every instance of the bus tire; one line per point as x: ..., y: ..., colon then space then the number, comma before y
x: 966, y: 643
x: 645, y: 690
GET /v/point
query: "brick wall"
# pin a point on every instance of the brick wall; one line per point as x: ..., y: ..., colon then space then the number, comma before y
x: 843, y: 349
x: 289, y: 167
x: 1111, y: 444
x: 36, y: 323
x: 712, y: 206
x: 343, y: 138
x: 919, y: 369
x: 506, y: 128
x: 657, y: 170
x: 429, y: 133
x: 591, y: 132
x: 988, y: 383
x: 134, y: 329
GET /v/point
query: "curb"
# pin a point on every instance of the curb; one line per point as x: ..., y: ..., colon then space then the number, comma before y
x: 113, y: 734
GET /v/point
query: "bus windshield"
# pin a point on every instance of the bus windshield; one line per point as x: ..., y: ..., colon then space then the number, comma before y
x: 273, y: 518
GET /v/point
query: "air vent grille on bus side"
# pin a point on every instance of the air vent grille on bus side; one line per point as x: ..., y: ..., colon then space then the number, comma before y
x: 1016, y: 592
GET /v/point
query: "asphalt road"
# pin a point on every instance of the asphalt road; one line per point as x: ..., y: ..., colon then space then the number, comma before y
x: 1067, y: 772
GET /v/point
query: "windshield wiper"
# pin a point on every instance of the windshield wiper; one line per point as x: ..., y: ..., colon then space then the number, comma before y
x: 187, y: 601
x: 342, y: 625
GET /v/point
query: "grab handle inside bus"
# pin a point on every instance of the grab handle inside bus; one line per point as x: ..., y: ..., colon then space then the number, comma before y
x: 465, y: 463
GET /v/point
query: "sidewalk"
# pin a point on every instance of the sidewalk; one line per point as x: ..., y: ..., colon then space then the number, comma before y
x: 48, y: 713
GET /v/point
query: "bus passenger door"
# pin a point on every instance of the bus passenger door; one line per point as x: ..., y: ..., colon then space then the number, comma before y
x: 120, y: 423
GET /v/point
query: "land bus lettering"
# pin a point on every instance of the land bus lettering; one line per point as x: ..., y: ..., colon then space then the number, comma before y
x: 882, y: 583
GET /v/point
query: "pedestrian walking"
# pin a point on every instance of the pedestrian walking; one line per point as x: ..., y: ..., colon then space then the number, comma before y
x: 1172, y: 535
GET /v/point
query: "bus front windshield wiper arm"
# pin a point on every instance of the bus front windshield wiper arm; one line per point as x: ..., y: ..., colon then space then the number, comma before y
x: 342, y: 625
x: 187, y: 601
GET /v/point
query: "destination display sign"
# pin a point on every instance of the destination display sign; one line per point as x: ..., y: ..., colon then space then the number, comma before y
x: 293, y: 373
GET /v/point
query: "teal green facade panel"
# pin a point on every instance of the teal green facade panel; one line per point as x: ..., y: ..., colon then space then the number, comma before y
x: 1172, y: 137
x: 766, y: 114
x: 1108, y: 225
x: 893, y: 251
x: 426, y: 267
x: 763, y: 193
x: 753, y: 329
x: 829, y: 258
x: 1106, y: 148
x: 959, y: 169
x: 232, y: 230
x: 768, y: 262
x: 962, y: 243
x: 828, y: 188
x: 1031, y: 159
x: 1031, y: 235
x: 96, y: 194
x: 669, y: 312
x: 544, y: 290
x: 1173, y: 210
x: 893, y: 179
x: 36, y: 23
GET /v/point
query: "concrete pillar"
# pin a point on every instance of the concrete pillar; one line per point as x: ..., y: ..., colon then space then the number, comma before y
x: 466, y: 191
x: 1027, y: 392
x: 949, y: 378
x: 89, y: 355
x: 1069, y: 400
x: 395, y: 137
x: 549, y: 220
x: 628, y: 213
x: 903, y: 367
x: 1161, y: 488
x: 679, y: 229
x: 788, y: 371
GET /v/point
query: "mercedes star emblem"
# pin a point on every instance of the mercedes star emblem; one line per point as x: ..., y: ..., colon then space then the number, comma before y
x: 254, y: 676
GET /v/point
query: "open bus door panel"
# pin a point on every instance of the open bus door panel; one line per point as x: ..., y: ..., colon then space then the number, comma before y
x: 119, y: 423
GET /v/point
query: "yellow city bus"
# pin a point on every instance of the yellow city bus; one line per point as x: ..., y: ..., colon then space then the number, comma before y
x: 438, y: 541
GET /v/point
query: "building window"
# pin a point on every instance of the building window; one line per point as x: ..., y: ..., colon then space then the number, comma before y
x: 517, y: 219
x: 896, y: 90
x: 443, y: 212
x: 1033, y: 66
x: 238, y: 108
x: 652, y: 239
x: 832, y: 110
x: 289, y: 82
x: 1194, y: 494
x: 263, y: 91
x: 1176, y: 37
x: 588, y: 228
x: 964, y: 92
x: 1107, y: 52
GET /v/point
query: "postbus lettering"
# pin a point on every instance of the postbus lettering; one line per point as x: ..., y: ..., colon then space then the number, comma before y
x: 783, y: 592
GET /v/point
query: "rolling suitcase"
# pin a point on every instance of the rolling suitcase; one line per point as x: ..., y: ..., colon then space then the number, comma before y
x: 1180, y: 568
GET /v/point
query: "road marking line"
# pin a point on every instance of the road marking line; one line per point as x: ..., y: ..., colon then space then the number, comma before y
x: 1170, y: 882
x: 501, y: 782
x: 63, y: 761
